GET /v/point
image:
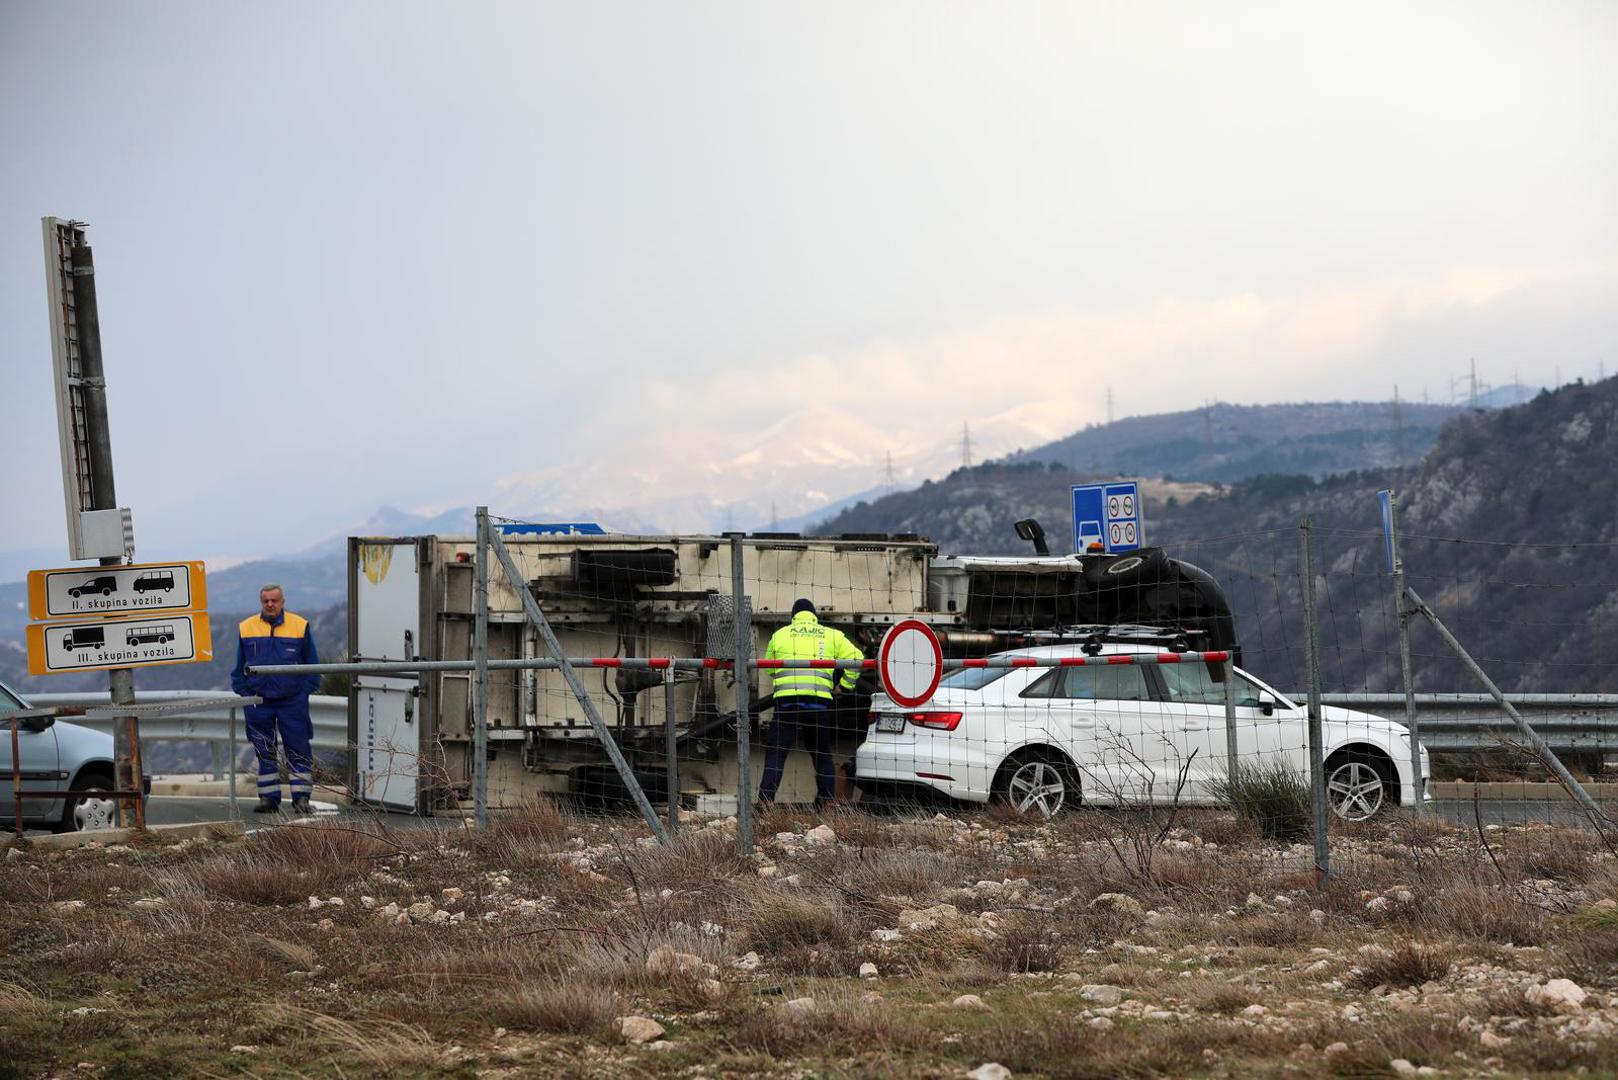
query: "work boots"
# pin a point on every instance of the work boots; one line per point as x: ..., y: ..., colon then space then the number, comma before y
x: 301, y: 806
x: 267, y: 806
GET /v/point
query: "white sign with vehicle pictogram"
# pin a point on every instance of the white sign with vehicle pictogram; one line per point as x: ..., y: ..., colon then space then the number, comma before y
x: 115, y: 590
x: 142, y: 641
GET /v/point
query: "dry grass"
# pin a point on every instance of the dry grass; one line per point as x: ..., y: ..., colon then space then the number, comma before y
x: 385, y: 1045
x: 1408, y: 964
x: 578, y: 905
x: 570, y: 1007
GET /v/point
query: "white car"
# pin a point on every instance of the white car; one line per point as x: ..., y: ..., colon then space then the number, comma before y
x: 1119, y: 734
x: 55, y: 755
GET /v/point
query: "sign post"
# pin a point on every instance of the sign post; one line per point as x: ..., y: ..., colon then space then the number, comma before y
x: 1109, y: 515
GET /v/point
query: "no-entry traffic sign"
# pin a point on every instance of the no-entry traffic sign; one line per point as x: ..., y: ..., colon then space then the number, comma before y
x: 910, y: 662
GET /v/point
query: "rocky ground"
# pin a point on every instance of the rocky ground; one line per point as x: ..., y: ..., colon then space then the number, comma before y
x: 1096, y: 945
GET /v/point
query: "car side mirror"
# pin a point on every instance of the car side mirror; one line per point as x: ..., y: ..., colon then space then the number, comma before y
x: 34, y: 724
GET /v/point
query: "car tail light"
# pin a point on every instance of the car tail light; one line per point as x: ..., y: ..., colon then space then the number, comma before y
x: 941, y: 721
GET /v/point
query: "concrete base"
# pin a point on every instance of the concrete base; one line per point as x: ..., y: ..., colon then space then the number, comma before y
x: 1525, y: 791
x: 246, y: 788
x: 121, y: 836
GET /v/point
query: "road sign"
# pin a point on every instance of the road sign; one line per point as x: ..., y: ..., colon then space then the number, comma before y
x: 1109, y: 515
x: 910, y: 662
x: 78, y: 591
x: 142, y: 641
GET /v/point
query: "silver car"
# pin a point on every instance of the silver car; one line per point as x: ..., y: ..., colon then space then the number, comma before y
x: 55, y: 756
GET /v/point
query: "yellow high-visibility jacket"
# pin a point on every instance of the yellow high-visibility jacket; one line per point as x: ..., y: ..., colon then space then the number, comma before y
x: 805, y: 639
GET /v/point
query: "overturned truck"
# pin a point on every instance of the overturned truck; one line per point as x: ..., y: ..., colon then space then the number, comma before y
x: 413, y: 598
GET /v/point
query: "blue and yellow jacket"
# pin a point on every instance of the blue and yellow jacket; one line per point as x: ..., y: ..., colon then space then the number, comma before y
x: 805, y: 639
x: 289, y: 640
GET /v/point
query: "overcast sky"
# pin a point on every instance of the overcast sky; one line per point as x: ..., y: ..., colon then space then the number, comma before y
x: 363, y: 253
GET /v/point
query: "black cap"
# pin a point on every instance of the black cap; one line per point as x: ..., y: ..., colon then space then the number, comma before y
x: 803, y: 604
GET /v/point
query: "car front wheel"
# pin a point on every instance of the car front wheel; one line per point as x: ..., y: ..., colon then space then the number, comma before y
x: 93, y: 810
x: 1359, y: 787
x: 1037, y: 784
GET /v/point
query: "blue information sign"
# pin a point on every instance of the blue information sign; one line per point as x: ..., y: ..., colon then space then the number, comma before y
x: 1109, y: 515
x: 551, y: 528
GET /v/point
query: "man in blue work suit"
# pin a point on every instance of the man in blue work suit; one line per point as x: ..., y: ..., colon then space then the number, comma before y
x: 276, y: 636
x: 803, y: 700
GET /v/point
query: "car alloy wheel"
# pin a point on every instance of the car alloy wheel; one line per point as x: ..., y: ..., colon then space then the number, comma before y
x: 94, y: 812
x: 1037, y: 786
x: 1356, y: 790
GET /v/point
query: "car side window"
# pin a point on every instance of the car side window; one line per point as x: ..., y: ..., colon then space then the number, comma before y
x: 1113, y: 683
x: 1192, y: 684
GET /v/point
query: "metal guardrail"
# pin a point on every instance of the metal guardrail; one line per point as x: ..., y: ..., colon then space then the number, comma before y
x: 329, y: 713
x: 1449, y: 722
x: 1469, y: 722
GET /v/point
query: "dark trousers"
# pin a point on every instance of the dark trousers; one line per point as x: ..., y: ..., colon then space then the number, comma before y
x: 814, y: 725
x: 291, y: 719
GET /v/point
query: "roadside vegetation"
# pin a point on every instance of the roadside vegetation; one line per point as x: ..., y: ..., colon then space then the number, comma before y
x: 553, y: 945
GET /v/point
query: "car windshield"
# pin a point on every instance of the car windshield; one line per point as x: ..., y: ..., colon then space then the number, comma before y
x: 972, y: 678
x: 1193, y: 684
x: 8, y: 703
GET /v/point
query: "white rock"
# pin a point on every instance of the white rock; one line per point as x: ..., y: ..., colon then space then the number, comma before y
x: 969, y: 1001
x: 883, y: 934
x: 1562, y: 995
x: 243, y: 1048
x: 422, y: 910
x: 1402, y: 1067
x: 867, y: 970
x: 1101, y: 1023
x: 1491, y: 1041
x: 1382, y: 903
x: 820, y: 834
x: 746, y: 962
x: 68, y: 905
x: 1119, y: 902
x: 800, y: 1006
x: 1101, y: 994
x: 148, y: 905
x: 1317, y: 916
x: 991, y: 1071
x: 660, y: 1045
x: 1255, y: 1011
x: 367, y: 902
x: 1255, y: 902
x: 1336, y: 1048
x: 870, y: 997
x: 665, y: 961
x: 326, y: 925
x: 639, y: 1029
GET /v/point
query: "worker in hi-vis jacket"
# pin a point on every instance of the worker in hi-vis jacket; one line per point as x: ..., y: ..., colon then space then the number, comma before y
x: 277, y: 636
x: 803, y: 699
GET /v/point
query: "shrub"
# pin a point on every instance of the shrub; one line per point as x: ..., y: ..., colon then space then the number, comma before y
x: 1273, y: 795
x: 1407, y: 965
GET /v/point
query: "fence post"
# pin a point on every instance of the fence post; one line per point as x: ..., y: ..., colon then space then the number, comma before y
x: 1317, y: 765
x: 671, y: 748
x: 235, y: 812
x: 1231, y: 766
x: 480, y: 678
x: 1401, y: 607
x: 744, y: 723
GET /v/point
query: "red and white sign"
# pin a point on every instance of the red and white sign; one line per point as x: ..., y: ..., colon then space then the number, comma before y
x: 910, y: 663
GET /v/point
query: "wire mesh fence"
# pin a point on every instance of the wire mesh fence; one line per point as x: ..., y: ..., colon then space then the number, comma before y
x: 701, y: 675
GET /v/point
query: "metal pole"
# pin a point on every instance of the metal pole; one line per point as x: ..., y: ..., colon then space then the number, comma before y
x: 480, y: 678
x: 103, y: 496
x: 671, y: 748
x: 1537, y: 744
x: 744, y: 723
x: 16, y: 776
x: 235, y: 811
x: 608, y: 743
x: 1232, y: 768
x: 216, y: 755
x: 1404, y: 613
x: 1317, y: 766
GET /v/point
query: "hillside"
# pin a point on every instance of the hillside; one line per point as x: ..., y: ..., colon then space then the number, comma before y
x: 1223, y: 442
x: 1510, y: 524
